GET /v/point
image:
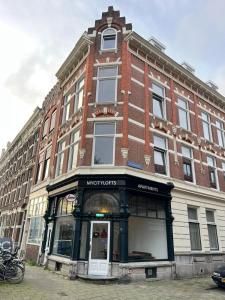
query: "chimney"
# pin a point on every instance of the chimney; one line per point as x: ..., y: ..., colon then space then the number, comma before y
x: 157, y: 44
x: 211, y: 84
x: 188, y: 67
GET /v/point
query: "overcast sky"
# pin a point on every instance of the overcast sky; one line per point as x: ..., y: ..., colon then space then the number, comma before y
x: 37, y: 35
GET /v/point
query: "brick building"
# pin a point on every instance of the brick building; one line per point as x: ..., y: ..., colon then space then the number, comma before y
x: 135, y: 180
x: 16, y: 170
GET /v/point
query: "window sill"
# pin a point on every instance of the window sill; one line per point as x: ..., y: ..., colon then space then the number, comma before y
x: 115, y: 50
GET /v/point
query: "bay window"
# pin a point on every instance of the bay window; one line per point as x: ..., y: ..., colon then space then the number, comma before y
x: 104, y: 143
x: 160, y: 155
x: 107, y: 85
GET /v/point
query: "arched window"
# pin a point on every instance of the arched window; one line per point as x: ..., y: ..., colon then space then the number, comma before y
x: 108, y: 39
x: 101, y: 202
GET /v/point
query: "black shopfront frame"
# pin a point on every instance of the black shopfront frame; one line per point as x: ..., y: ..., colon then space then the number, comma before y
x: 123, y: 185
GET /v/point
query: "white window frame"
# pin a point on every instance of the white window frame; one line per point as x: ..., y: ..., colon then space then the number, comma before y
x: 186, y: 110
x: 102, y: 39
x: 71, y: 146
x: 208, y: 122
x: 192, y: 161
x: 105, y: 78
x: 60, y: 153
x: 223, y: 169
x: 164, y: 112
x: 166, y: 153
x: 215, y: 170
x: 220, y: 129
x: 94, y: 141
x: 77, y: 92
x: 66, y: 108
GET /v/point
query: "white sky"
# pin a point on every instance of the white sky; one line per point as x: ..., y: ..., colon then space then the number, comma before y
x: 36, y: 36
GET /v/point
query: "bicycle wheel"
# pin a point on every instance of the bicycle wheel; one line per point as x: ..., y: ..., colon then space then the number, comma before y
x: 14, y: 273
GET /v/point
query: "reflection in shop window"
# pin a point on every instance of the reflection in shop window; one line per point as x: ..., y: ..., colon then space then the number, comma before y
x: 101, y: 202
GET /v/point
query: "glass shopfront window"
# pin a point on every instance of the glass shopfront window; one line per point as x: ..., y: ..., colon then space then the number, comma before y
x: 101, y: 202
x: 147, y: 237
x: 64, y: 228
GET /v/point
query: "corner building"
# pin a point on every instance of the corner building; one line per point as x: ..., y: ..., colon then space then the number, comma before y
x: 137, y: 186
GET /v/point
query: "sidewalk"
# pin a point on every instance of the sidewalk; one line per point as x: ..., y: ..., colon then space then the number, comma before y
x: 41, y: 284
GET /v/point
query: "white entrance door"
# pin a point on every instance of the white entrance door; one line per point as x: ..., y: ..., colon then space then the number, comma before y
x: 99, y: 248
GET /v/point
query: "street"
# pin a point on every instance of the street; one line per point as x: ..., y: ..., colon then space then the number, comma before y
x: 43, y: 284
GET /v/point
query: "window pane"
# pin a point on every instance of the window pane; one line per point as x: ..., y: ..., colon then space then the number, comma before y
x: 104, y: 128
x: 63, y: 236
x: 210, y: 161
x: 182, y: 103
x: 107, y: 72
x: 103, y: 150
x: 159, y: 158
x: 220, y: 137
x: 109, y: 42
x: 186, y: 152
x: 158, y: 108
x: 187, y: 169
x: 195, y: 236
x: 53, y: 120
x: 183, y: 118
x: 210, y: 216
x: 107, y: 90
x: 75, y: 136
x: 205, y: 117
x: 192, y: 214
x: 159, y: 142
x: 158, y: 90
x: 83, y: 240
x: 73, y: 156
x: 109, y: 31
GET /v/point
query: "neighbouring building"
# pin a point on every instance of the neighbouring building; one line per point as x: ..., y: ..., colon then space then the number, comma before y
x: 132, y: 169
x: 16, y: 170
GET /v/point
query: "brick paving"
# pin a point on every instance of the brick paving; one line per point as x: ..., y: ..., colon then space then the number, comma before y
x: 43, y: 284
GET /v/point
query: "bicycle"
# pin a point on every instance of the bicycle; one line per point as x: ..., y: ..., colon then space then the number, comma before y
x: 12, y: 269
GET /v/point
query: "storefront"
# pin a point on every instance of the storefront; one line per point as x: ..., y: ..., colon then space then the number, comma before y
x: 105, y: 223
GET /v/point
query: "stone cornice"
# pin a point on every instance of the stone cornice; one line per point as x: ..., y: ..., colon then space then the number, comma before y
x: 83, y: 42
x: 176, y: 67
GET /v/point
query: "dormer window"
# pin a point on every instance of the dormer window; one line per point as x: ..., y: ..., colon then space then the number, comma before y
x: 108, y: 39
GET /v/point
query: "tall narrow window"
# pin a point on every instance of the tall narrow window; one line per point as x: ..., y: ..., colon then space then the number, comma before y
x: 160, y: 151
x: 40, y: 167
x: 212, y: 231
x: 46, y: 163
x: 79, y: 93
x: 184, y: 117
x: 53, y: 118
x: 206, y: 126
x: 158, y: 100
x: 73, y: 150
x: 212, y: 171
x: 194, y: 230
x: 66, y: 111
x: 107, y: 85
x: 60, y: 157
x: 109, y: 39
x: 223, y: 167
x: 187, y: 163
x: 220, y: 133
x: 104, y: 143
x: 45, y: 129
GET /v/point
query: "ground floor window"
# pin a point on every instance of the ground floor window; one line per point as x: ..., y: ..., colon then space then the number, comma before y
x: 147, y: 235
x: 35, y: 233
x: 64, y: 229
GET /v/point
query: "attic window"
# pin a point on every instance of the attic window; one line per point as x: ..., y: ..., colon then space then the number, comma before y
x: 108, y: 39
